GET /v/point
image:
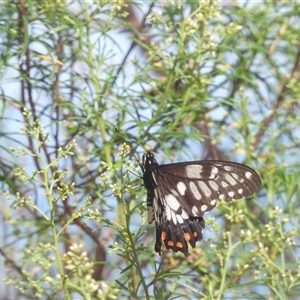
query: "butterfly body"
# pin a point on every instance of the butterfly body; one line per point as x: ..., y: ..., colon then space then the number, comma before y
x: 179, y: 194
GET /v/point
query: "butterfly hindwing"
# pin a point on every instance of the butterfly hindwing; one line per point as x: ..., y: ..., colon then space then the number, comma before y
x: 179, y: 194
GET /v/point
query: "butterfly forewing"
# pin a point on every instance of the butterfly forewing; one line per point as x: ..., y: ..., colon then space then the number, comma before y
x: 179, y: 194
x: 202, y: 183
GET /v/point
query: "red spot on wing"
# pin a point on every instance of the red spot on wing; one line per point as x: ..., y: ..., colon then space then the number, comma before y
x: 170, y: 243
x: 179, y: 245
x: 187, y: 236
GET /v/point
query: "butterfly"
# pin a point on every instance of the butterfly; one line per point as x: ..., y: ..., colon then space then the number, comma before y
x: 179, y: 194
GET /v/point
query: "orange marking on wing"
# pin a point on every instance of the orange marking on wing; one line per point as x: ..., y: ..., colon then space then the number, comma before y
x: 187, y: 236
x: 179, y: 245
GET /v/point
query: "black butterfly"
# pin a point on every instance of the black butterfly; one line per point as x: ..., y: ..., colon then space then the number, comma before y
x: 178, y: 195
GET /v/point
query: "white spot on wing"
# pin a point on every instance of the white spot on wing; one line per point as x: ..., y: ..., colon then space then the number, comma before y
x: 203, y: 208
x: 227, y: 168
x: 195, y: 211
x: 235, y: 176
x: 222, y: 197
x: 224, y: 184
x: 204, y: 188
x: 195, y: 190
x: 230, y: 179
x: 213, y: 185
x: 172, y: 202
x: 174, y: 192
x: 184, y: 214
x: 174, y: 219
x: 231, y: 194
x: 168, y: 213
x: 248, y: 175
x: 240, y: 191
x: 181, y: 187
x: 214, y: 170
x: 213, y: 202
x: 193, y: 171
x: 179, y: 219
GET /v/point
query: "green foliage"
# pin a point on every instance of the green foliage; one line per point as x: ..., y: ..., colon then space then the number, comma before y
x: 94, y: 81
